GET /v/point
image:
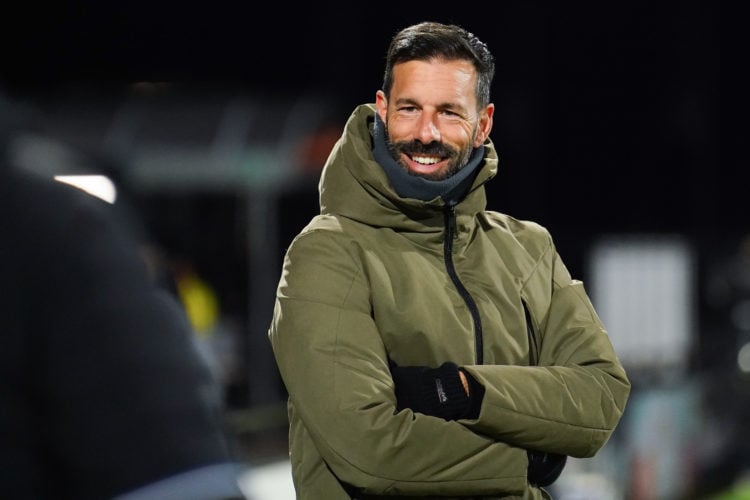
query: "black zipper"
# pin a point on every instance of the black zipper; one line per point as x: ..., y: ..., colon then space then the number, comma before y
x: 450, y: 233
x: 533, y: 346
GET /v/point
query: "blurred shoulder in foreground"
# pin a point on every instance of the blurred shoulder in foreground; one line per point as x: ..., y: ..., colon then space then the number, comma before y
x: 102, y: 391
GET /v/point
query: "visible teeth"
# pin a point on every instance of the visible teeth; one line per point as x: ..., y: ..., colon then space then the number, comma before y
x: 425, y: 160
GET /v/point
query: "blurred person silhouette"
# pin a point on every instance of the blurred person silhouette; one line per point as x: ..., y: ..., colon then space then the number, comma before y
x: 430, y: 347
x: 102, y: 391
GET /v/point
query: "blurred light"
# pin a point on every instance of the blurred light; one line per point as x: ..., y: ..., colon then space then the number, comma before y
x: 273, y: 480
x: 98, y: 185
x: 743, y: 358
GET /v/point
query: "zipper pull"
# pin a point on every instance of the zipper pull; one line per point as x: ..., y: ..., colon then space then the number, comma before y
x: 450, y: 221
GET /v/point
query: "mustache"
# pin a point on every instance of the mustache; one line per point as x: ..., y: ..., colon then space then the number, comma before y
x: 433, y: 148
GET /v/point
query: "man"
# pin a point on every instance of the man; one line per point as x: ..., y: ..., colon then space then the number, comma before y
x: 103, y: 393
x: 432, y: 348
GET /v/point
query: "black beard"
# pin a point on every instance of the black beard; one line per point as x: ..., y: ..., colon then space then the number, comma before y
x: 457, y: 159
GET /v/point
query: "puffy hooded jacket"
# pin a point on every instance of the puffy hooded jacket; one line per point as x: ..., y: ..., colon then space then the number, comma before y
x: 376, y: 276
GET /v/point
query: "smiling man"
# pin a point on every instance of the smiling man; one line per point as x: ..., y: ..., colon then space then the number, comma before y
x: 430, y: 347
x: 433, y: 118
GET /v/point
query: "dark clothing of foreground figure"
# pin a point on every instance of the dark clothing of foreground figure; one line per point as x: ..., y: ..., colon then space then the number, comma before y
x: 102, y: 392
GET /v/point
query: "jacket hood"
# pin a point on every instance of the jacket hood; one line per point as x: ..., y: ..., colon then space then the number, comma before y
x: 355, y: 186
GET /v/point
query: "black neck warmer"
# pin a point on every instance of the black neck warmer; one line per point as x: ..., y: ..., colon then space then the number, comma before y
x: 451, y: 190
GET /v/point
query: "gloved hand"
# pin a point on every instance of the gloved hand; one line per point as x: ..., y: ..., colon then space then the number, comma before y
x: 434, y: 391
x: 544, y: 468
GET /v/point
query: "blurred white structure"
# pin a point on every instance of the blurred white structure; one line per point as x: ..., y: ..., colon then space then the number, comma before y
x: 644, y: 289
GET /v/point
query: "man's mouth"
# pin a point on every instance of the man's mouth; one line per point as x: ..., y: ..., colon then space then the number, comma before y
x: 425, y: 160
x: 428, y: 166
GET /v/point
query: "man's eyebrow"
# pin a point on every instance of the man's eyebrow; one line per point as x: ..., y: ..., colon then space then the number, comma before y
x: 401, y: 101
x: 445, y: 106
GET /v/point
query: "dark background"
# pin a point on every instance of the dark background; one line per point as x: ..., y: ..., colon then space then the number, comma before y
x: 611, y: 117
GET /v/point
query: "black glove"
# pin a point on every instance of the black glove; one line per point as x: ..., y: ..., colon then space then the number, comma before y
x: 544, y: 468
x: 436, y: 391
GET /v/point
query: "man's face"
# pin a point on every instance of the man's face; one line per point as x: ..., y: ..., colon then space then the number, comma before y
x: 431, y: 116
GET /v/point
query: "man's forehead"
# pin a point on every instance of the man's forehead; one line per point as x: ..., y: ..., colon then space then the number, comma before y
x: 443, y: 82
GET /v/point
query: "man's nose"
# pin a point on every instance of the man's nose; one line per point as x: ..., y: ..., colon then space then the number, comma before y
x: 428, y: 131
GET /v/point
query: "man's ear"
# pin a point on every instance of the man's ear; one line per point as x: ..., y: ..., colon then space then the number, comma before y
x: 484, y: 126
x: 381, y: 104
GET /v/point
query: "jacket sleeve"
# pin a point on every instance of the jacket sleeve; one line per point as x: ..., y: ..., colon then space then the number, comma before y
x: 572, y: 400
x: 333, y: 364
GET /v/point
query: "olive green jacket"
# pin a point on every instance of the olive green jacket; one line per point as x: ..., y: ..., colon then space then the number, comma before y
x: 368, y: 278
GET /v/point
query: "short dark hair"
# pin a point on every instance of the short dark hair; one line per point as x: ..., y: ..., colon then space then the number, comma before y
x: 428, y: 40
